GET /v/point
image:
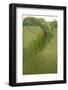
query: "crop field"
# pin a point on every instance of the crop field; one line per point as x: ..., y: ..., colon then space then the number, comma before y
x: 40, y: 50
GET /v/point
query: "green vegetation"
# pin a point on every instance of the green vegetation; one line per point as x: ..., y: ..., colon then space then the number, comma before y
x: 40, y: 46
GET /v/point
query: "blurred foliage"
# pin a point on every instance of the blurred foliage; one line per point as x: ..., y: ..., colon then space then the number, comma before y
x: 40, y: 46
x: 53, y: 24
x: 33, y: 21
x: 40, y: 22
